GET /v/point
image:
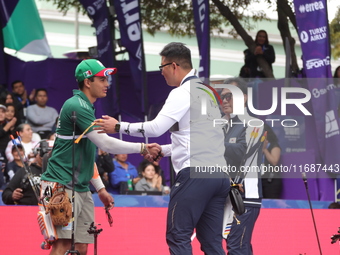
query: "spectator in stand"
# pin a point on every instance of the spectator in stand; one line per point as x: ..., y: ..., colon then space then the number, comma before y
x: 41, y: 117
x: 151, y: 180
x: 271, y: 180
x: 19, y: 190
x: 10, y: 98
x: 7, y: 98
x: 12, y: 167
x: 334, y: 205
x: 5, y: 131
x: 123, y: 171
x: 263, y: 48
x: 146, y: 162
x: 20, y: 93
x: 105, y: 167
x: 25, y: 132
x: 336, y: 77
x: 12, y: 114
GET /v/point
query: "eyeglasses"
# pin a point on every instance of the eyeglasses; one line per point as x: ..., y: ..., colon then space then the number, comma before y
x: 227, y: 96
x: 161, y: 67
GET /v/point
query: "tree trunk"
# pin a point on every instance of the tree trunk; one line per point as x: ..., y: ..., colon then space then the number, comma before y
x: 285, y: 7
x: 282, y: 24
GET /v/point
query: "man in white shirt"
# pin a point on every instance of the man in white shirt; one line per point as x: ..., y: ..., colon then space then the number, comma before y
x: 197, y: 198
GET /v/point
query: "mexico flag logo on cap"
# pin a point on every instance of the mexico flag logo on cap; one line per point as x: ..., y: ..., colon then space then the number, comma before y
x: 87, y: 73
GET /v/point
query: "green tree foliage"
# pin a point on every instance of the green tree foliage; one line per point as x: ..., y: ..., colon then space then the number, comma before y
x: 334, y: 28
x: 65, y: 5
x: 231, y: 16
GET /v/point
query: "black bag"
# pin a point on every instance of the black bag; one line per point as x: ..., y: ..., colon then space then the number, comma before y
x: 236, y: 200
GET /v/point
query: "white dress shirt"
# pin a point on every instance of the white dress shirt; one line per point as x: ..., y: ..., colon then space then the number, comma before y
x: 196, y: 142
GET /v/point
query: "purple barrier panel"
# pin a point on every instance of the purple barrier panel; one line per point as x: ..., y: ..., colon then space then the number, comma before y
x: 326, y: 185
x: 55, y: 75
x: 293, y: 185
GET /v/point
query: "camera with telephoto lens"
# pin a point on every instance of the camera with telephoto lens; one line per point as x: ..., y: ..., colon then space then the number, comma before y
x: 25, y: 183
x: 43, y: 148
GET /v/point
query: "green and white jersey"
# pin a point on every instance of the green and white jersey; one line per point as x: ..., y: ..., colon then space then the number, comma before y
x: 59, y: 167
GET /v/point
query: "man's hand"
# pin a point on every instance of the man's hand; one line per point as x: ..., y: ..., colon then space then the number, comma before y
x: 153, y: 152
x: 17, y: 194
x: 24, y: 97
x: 106, y: 198
x: 32, y: 95
x: 106, y: 124
x: 240, y: 187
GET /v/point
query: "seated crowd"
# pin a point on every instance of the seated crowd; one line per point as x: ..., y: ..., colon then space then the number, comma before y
x: 119, y: 175
x: 28, y: 119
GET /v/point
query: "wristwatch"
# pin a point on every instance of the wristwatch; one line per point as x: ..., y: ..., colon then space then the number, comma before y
x: 117, y: 127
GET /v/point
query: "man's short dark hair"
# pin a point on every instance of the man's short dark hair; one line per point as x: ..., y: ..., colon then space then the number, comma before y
x: 81, y: 84
x: 240, y: 83
x: 177, y: 52
x: 38, y: 90
x: 16, y: 81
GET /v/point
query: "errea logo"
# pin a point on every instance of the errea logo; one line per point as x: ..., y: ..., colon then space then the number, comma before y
x: 312, y: 7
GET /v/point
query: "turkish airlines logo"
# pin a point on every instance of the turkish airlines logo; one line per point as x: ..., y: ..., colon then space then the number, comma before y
x: 91, y: 10
x: 312, y: 7
x: 315, y: 34
x: 304, y: 36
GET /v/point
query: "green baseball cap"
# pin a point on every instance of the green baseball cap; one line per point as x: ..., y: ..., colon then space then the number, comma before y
x: 92, y: 67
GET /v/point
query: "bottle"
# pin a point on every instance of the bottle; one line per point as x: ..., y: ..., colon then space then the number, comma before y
x: 129, y: 182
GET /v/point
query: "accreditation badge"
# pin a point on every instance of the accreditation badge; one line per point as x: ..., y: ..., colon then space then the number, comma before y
x: 232, y: 140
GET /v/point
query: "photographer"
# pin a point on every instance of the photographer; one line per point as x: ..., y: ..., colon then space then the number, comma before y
x: 19, y: 190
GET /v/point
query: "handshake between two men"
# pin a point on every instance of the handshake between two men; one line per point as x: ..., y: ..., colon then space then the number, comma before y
x: 109, y: 125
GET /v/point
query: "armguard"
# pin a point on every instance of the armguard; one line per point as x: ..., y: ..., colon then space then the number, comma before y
x: 96, y: 181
